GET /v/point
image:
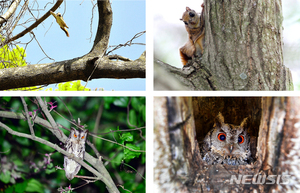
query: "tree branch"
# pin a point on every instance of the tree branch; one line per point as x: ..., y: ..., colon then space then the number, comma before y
x: 71, y: 156
x: 103, y: 32
x: 35, y: 24
x: 103, y: 175
x: 194, y: 77
x: 165, y: 79
x: 28, y: 117
x: 91, y: 66
x: 69, y: 70
x: 11, y: 10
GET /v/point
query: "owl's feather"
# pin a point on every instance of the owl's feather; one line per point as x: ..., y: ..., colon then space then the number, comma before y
x: 227, y: 150
x: 75, y: 144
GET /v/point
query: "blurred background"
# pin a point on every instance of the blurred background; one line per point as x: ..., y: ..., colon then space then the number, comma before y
x: 25, y: 166
x: 291, y: 38
x: 167, y: 42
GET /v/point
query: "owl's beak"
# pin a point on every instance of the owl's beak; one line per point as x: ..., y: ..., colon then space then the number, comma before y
x: 231, y: 148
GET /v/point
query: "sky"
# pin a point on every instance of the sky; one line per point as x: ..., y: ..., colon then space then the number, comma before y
x: 77, y: 15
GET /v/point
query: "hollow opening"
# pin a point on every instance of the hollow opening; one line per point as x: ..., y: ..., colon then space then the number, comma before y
x: 234, y: 110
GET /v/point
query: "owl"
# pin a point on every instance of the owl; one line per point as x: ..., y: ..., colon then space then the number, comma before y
x: 227, y: 143
x: 75, y: 144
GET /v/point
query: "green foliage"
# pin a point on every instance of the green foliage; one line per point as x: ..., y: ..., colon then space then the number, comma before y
x: 70, y: 86
x: 50, y: 169
x: 21, y: 187
x: 5, y: 177
x: 7, y: 99
x: 121, y: 101
x: 34, y: 186
x: 12, y: 58
x: 126, y: 137
x: 26, y: 160
x: 129, y: 154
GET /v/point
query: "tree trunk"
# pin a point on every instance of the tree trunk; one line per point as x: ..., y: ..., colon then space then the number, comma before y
x: 243, y: 49
x: 180, y: 123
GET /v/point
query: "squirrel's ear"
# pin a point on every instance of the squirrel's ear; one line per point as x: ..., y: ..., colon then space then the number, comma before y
x: 188, y: 9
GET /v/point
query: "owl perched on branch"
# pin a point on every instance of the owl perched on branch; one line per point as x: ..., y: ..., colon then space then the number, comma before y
x: 227, y: 143
x: 75, y: 145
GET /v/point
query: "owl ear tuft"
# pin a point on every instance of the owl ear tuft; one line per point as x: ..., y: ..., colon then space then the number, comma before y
x: 219, y: 120
x: 245, y: 123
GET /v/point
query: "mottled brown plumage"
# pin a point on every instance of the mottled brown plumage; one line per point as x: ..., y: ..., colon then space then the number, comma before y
x: 75, y: 144
x: 227, y: 143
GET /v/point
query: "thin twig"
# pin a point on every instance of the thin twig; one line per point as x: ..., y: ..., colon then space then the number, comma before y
x: 54, y: 146
x: 94, y: 148
x: 128, y: 43
x: 123, y: 188
x: 28, y: 117
x: 123, y: 130
x: 128, y: 114
x: 117, y: 143
x: 35, y: 24
x: 98, y: 118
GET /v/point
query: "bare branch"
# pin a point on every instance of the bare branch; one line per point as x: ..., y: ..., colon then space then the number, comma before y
x: 93, y: 65
x: 102, y: 173
x: 28, y: 117
x: 69, y: 70
x: 103, y: 31
x: 128, y: 43
x: 128, y: 115
x: 116, y: 143
x: 35, y: 24
x: 44, y: 106
x: 54, y: 146
x: 98, y: 118
x: 10, y: 11
x: 94, y: 148
x: 118, y: 57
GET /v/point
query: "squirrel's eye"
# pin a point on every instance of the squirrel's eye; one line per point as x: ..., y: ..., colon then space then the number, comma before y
x: 241, y: 139
x: 192, y: 14
x: 222, y: 136
x: 75, y: 135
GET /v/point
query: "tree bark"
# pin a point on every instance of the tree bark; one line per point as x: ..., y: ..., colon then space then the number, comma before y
x: 74, y: 69
x: 243, y: 48
x: 275, y: 141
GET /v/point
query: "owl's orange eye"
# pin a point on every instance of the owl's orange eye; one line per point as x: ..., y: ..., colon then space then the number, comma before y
x: 241, y: 139
x: 82, y: 137
x: 75, y: 135
x: 222, y: 136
